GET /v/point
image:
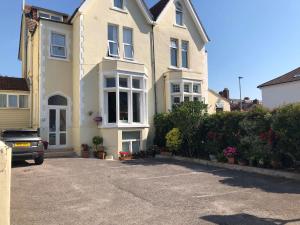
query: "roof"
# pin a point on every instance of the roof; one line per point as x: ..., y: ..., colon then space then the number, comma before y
x: 286, y: 78
x: 157, y: 9
x: 220, y: 96
x: 13, y: 84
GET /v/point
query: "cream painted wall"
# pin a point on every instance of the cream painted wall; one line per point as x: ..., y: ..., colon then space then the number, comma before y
x: 213, y: 99
x: 55, y: 75
x: 93, y: 24
x: 281, y: 94
x: 163, y: 32
x: 5, y: 183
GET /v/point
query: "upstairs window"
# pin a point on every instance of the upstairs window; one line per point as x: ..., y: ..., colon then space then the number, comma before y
x: 119, y: 4
x: 185, y: 54
x: 50, y: 17
x: 128, y: 43
x: 174, y: 52
x: 113, y: 41
x: 179, y: 14
x: 58, y: 45
x: 23, y: 101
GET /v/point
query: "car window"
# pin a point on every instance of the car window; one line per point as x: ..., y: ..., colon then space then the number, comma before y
x: 19, y: 134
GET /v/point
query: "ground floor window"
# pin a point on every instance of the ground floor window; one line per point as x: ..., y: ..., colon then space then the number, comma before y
x: 185, y: 91
x: 125, y: 99
x: 131, y: 141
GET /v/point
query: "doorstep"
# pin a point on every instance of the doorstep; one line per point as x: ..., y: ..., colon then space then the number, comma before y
x: 261, y: 171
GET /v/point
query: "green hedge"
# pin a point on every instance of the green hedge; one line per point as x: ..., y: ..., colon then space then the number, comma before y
x: 259, y: 135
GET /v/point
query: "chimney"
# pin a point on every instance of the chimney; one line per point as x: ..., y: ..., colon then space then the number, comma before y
x: 225, y: 93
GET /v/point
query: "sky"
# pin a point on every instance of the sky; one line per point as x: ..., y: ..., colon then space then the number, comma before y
x: 256, y: 39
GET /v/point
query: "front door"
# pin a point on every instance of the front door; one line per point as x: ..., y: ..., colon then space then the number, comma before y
x: 57, y: 127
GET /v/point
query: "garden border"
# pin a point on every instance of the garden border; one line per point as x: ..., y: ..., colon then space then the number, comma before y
x: 261, y: 171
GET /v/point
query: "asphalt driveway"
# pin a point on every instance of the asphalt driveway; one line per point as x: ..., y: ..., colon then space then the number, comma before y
x: 78, y: 191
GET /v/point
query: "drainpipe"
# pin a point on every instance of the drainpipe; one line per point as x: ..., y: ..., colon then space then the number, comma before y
x: 153, y: 67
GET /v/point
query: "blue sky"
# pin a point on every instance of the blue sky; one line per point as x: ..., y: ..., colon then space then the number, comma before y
x: 257, y: 39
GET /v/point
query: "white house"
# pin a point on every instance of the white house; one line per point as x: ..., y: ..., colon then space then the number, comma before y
x: 282, y: 90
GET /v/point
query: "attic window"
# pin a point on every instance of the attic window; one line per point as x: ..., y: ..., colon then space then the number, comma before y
x: 179, y: 14
x: 50, y: 16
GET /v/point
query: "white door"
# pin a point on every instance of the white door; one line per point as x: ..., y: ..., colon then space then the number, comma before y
x: 57, y: 127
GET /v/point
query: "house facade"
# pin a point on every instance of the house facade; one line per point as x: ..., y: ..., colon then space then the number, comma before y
x: 282, y: 90
x: 217, y: 103
x: 109, y: 68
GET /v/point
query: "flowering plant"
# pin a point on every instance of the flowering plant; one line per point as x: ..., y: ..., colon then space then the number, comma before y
x: 230, y: 152
x: 123, y: 154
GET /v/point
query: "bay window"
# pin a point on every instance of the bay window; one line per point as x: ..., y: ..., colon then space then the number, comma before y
x: 113, y: 41
x: 125, y: 99
x: 184, y: 91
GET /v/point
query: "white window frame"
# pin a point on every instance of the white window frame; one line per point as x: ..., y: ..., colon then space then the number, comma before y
x: 130, y: 141
x: 114, y: 42
x: 50, y: 16
x: 6, y: 103
x: 182, y: 94
x: 18, y: 100
x: 130, y: 90
x: 128, y: 44
x: 177, y: 52
x: 116, y: 7
x: 52, y: 55
x: 185, y: 51
x: 177, y: 10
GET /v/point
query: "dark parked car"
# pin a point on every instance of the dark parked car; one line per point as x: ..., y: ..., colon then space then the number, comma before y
x: 25, y: 144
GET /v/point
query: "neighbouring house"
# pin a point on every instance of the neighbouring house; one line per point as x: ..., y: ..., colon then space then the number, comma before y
x: 14, y: 103
x: 217, y: 103
x: 235, y: 104
x: 109, y: 68
x: 282, y: 90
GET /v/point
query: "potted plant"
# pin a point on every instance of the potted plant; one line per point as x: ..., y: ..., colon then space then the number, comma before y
x: 174, y: 140
x: 85, y: 151
x: 98, y: 147
x: 230, y: 153
x: 125, y: 156
x: 276, y: 161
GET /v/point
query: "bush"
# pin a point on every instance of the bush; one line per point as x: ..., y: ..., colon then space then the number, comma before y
x: 163, y: 125
x: 174, y: 140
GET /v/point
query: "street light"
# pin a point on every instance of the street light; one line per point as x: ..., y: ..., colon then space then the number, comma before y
x: 241, y: 103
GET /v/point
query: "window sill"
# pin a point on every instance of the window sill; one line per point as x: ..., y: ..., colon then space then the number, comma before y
x: 59, y: 59
x: 179, y: 68
x: 180, y: 26
x: 123, y: 60
x: 119, y: 10
x: 137, y: 125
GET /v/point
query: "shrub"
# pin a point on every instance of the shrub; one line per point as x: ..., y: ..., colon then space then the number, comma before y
x: 188, y: 117
x: 286, y: 123
x: 163, y: 125
x: 97, y: 141
x: 174, y: 140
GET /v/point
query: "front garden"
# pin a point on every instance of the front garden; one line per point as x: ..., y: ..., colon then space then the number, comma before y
x: 260, y: 138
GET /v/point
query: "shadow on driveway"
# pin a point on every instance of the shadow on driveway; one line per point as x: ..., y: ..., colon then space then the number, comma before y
x: 230, y: 177
x: 245, y: 219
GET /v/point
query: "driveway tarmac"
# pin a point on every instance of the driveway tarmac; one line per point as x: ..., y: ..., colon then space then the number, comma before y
x: 77, y: 191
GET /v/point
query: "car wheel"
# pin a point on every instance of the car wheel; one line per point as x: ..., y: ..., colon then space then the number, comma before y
x: 39, y: 160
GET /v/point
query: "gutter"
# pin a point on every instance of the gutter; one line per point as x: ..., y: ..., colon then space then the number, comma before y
x: 153, y: 67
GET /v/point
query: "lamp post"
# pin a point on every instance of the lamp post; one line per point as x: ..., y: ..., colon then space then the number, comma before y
x: 240, y: 85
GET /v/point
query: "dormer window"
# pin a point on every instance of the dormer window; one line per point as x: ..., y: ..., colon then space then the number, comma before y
x: 50, y: 16
x: 119, y: 4
x: 179, y: 14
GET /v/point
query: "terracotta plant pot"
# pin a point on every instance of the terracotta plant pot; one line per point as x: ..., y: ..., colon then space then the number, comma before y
x: 231, y: 160
x: 85, y: 154
x: 275, y: 164
x: 165, y: 153
x: 101, y: 154
x: 125, y: 158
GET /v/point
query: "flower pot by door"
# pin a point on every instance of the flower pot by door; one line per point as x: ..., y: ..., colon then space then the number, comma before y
x: 231, y: 160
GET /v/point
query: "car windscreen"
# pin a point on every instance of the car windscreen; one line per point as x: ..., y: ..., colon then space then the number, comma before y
x: 20, y: 134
